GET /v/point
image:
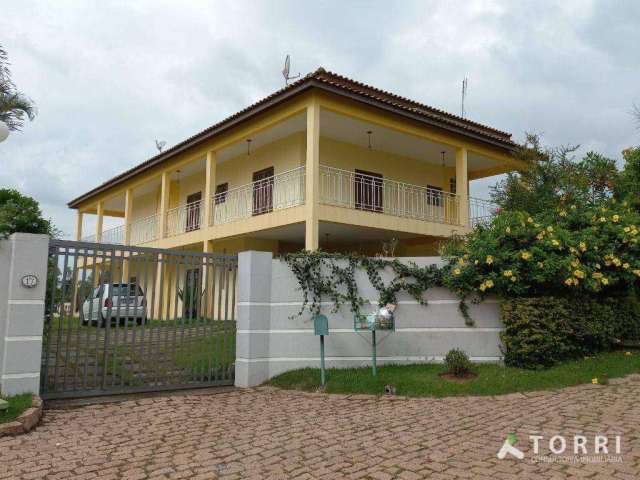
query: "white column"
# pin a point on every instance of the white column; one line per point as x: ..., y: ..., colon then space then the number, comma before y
x: 312, y: 172
x: 462, y: 185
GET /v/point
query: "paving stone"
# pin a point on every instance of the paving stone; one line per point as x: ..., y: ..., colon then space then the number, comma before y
x: 267, y: 433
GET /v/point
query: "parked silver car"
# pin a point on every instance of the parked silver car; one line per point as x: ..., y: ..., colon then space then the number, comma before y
x: 123, y: 301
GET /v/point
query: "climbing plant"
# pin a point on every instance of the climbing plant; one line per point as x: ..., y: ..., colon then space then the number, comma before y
x: 332, y: 276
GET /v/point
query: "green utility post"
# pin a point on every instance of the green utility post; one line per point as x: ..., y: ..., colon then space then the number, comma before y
x: 321, y: 328
x: 372, y: 323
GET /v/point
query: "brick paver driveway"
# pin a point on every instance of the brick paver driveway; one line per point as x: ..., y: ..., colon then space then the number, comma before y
x: 265, y: 433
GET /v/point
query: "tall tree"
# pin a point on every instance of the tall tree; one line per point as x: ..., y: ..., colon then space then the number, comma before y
x: 15, y: 107
x: 20, y: 213
x: 554, y: 177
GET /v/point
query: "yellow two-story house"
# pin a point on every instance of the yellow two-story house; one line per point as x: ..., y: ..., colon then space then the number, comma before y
x: 326, y: 162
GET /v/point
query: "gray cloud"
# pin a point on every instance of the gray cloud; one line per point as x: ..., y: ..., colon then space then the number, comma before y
x: 109, y: 77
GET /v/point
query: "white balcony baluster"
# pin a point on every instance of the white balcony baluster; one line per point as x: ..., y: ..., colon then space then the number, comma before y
x: 348, y: 189
x: 281, y: 191
x: 144, y: 230
x: 185, y: 218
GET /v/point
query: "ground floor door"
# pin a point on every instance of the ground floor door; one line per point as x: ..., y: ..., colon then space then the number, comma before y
x: 141, y: 319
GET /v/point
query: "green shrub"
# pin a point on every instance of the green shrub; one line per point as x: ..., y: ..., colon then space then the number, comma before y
x: 458, y: 363
x: 540, y: 332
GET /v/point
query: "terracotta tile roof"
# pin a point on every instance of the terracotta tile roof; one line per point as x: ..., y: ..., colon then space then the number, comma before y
x: 329, y: 81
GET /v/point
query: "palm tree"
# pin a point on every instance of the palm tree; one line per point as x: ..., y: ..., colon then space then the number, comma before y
x: 14, y: 106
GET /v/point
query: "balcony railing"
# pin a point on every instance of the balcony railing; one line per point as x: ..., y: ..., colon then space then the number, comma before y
x: 185, y: 218
x: 144, y: 230
x: 281, y: 191
x: 348, y: 189
x: 481, y: 211
x: 113, y: 236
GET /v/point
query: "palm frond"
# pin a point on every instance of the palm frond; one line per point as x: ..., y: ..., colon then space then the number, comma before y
x: 15, y: 108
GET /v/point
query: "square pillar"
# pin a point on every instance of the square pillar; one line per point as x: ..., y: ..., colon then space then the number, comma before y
x: 79, y: 221
x: 21, y: 326
x: 209, y: 187
x: 312, y: 173
x: 100, y: 214
x: 462, y: 186
x: 128, y: 210
x: 254, y: 318
x: 164, y: 204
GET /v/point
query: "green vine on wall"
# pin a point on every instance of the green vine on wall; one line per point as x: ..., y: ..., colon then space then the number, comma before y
x: 332, y: 276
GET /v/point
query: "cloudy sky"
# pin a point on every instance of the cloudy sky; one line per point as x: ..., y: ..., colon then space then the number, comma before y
x: 109, y: 77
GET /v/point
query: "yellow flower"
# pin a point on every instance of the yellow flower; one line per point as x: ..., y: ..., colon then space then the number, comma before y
x: 626, y: 266
x: 513, y: 279
x: 583, y: 246
x: 483, y: 287
x: 549, y: 228
x: 575, y: 263
x: 456, y: 271
x: 530, y: 220
x: 569, y: 281
x: 617, y: 262
x: 605, y: 281
x: 461, y: 261
x: 596, y: 275
x: 507, y: 273
x: 594, y: 381
x: 537, y: 225
x: 636, y: 272
x: 526, y: 255
x: 615, y: 218
x: 489, y: 260
x: 489, y: 283
x: 573, y: 207
x: 540, y: 236
x: 475, y: 262
x: 563, y: 213
x: 508, y: 230
x: 627, y: 229
x: 541, y: 264
x: 602, y: 220
x: 555, y: 242
x: 628, y: 354
x: 598, y: 266
x: 578, y: 274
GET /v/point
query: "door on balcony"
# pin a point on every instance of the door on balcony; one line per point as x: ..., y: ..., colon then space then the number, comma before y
x: 368, y: 191
x: 263, y: 191
x: 193, y: 211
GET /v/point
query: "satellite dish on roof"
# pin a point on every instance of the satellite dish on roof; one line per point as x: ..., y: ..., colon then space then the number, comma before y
x: 287, y: 69
x: 160, y: 145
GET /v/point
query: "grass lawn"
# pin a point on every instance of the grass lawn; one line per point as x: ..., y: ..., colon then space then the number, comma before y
x: 17, y: 405
x: 492, y: 379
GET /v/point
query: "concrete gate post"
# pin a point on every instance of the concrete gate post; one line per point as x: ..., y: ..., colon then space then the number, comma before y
x: 23, y: 284
x: 254, y: 318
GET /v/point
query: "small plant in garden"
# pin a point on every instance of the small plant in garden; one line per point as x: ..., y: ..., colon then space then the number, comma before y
x: 457, y: 363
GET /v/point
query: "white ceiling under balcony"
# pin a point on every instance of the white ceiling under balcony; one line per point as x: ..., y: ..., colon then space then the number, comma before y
x: 351, y: 130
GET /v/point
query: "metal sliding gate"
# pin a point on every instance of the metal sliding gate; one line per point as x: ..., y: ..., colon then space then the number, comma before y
x: 122, y: 319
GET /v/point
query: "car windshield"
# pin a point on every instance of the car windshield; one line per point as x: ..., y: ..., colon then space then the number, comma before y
x: 126, y: 290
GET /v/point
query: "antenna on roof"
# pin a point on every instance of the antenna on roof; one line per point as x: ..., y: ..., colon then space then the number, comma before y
x: 465, y: 83
x: 160, y: 144
x: 286, y: 69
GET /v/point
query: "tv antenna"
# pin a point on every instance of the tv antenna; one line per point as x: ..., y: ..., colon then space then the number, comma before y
x: 286, y: 70
x: 465, y: 84
x: 160, y: 145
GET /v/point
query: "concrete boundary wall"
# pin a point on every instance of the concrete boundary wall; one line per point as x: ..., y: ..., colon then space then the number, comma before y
x: 271, y: 339
x: 21, y: 312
